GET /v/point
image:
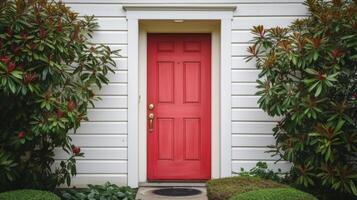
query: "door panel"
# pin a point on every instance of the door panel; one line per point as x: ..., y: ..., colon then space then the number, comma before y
x: 179, y: 87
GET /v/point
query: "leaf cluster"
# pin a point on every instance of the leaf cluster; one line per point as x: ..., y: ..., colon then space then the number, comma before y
x: 107, y: 191
x: 49, y: 70
x: 308, y: 78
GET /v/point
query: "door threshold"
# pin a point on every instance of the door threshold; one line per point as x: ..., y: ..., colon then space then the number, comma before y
x: 172, y: 184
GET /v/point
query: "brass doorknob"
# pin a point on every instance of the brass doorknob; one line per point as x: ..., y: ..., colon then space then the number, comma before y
x: 151, y: 106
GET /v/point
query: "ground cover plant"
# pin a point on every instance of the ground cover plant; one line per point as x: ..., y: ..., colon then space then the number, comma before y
x: 48, y: 69
x: 274, y: 194
x: 28, y: 195
x: 107, y: 191
x: 308, y: 78
x: 225, y: 188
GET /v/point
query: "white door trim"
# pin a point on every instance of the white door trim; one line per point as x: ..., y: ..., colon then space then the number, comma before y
x: 133, y: 17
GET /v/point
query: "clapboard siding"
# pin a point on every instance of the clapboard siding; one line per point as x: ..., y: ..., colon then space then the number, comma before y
x: 96, y: 115
x: 246, y: 89
x: 102, y: 128
x: 112, y: 89
x: 246, y: 23
x: 240, y: 50
x: 241, y: 63
x: 82, y: 180
x: 249, y: 76
x: 247, y: 165
x: 264, y: 9
x: 248, y: 153
x: 100, y: 140
x: 122, y: 63
x: 99, y: 166
x: 245, y: 101
x: 110, y: 37
x: 240, y: 36
x: 99, y: 10
x: 250, y: 115
x: 252, y: 140
x: 253, y: 127
x: 104, y: 137
x: 97, y: 154
x: 112, y: 24
x: 112, y: 102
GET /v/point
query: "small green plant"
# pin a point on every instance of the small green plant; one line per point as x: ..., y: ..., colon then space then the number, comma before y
x: 261, y: 170
x: 274, y: 194
x: 28, y: 195
x: 308, y: 79
x: 107, y: 191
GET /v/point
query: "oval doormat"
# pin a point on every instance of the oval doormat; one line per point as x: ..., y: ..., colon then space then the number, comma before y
x: 177, y: 192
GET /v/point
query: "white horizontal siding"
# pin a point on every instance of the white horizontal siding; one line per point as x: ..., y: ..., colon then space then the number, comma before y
x: 239, y: 76
x: 245, y: 101
x: 110, y: 37
x: 252, y: 153
x: 112, y: 102
x: 97, y: 154
x: 103, y: 137
x: 99, y: 166
x: 100, y: 140
x: 246, y: 23
x: 251, y: 115
x: 264, y: 9
x: 252, y: 140
x: 252, y: 127
x: 247, y: 165
x: 112, y: 89
x: 244, y: 88
x: 99, y: 10
x: 96, y: 115
x: 112, y: 24
x: 241, y: 63
x: 102, y: 128
x: 82, y: 180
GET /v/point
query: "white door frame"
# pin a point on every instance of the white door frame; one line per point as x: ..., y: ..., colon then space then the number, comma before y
x: 136, y: 12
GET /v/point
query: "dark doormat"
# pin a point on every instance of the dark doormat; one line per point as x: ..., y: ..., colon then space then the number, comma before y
x: 177, y: 192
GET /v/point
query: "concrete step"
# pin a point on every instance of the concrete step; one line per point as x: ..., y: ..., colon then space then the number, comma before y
x: 172, y: 184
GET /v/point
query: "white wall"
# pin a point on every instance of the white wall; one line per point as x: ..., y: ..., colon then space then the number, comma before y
x: 104, y: 138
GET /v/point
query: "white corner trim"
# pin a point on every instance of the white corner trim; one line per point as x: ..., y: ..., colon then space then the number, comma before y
x: 133, y: 17
x: 225, y: 101
x: 176, y: 7
x: 133, y: 101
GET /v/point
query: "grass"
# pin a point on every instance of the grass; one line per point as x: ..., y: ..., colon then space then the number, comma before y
x: 274, y: 194
x: 225, y: 188
x: 28, y: 195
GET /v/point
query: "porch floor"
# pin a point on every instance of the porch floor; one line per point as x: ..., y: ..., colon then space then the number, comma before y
x: 145, y: 193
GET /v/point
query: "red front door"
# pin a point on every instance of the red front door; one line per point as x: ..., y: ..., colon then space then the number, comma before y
x: 179, y: 119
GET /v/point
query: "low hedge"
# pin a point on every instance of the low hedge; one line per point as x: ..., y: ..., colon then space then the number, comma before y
x: 225, y: 188
x: 274, y: 194
x: 28, y: 195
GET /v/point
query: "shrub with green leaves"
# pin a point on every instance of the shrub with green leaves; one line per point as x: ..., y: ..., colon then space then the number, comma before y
x: 28, y: 195
x: 274, y: 194
x: 308, y: 78
x: 106, y: 191
x: 48, y: 68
